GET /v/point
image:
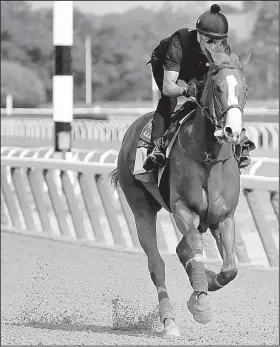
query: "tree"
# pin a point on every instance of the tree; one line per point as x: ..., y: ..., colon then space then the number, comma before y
x: 23, y: 84
x: 122, y: 44
x: 266, y: 49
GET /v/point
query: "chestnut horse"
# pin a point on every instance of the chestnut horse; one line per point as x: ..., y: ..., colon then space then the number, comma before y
x: 204, y: 183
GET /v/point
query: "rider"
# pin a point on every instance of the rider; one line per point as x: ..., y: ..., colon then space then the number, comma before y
x: 181, y: 56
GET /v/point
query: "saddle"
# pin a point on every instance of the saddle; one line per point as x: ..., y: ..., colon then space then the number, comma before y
x: 176, y: 118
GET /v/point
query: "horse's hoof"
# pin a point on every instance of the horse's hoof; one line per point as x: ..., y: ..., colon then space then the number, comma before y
x: 201, y: 311
x: 170, y: 328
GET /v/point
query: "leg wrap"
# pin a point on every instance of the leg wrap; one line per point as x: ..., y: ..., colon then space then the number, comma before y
x: 162, y: 295
x: 196, y: 272
x: 165, y: 308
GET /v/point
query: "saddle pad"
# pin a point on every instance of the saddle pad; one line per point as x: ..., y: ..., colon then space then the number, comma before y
x: 141, y: 151
x: 145, y: 136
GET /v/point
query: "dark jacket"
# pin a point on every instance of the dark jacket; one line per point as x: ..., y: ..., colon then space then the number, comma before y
x: 194, y: 62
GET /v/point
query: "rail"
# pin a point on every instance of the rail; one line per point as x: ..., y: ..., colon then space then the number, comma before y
x: 107, y: 133
x: 70, y: 200
x: 249, y: 111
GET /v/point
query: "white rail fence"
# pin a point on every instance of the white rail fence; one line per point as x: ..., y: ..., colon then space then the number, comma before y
x: 126, y: 111
x: 265, y: 135
x: 69, y: 200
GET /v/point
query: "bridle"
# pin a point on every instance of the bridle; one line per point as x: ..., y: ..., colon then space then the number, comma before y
x: 212, y: 116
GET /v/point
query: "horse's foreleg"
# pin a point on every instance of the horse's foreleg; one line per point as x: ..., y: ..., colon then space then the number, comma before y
x: 190, y: 254
x: 224, y: 234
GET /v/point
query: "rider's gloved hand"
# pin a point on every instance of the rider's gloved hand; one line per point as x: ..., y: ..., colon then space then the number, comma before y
x: 193, y: 87
x: 200, y: 85
x: 190, y: 90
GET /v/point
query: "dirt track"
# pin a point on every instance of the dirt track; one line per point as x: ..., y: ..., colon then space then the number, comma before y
x: 64, y: 294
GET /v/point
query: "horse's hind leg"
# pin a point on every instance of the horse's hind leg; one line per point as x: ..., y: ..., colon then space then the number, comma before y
x: 145, y: 209
x: 224, y: 234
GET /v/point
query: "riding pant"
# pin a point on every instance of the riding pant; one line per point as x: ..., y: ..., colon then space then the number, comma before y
x: 166, y: 106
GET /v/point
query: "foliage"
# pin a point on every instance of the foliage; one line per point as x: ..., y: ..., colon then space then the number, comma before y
x: 262, y: 70
x: 122, y: 44
x: 23, y: 84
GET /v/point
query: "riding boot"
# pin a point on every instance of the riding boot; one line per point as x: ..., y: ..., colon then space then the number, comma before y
x: 157, y: 158
x: 242, y: 150
x: 158, y: 153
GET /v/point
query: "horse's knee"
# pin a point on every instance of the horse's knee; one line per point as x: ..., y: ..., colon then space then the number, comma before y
x: 183, y: 251
x: 227, y: 276
x: 189, y: 248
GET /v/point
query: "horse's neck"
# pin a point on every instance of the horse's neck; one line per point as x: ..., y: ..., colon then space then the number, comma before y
x: 198, y: 139
x: 203, y: 133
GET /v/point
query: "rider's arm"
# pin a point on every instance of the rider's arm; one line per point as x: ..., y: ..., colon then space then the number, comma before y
x: 171, y: 66
x: 170, y: 88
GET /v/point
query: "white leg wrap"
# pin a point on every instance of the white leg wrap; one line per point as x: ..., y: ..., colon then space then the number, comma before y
x: 197, y: 257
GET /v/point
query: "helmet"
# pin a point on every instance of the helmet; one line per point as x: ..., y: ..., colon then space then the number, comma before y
x: 212, y: 23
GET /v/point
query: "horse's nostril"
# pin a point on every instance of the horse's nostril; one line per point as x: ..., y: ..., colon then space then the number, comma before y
x: 228, y: 130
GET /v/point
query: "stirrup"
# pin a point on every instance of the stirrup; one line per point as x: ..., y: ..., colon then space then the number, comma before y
x: 244, y: 162
x: 149, y: 165
x: 153, y: 162
x: 158, y: 157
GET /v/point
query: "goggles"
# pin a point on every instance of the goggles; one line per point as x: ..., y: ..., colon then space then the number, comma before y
x: 211, y: 40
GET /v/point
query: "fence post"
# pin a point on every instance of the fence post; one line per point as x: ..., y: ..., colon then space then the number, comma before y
x: 74, y: 208
x: 109, y: 209
x: 240, y: 247
x: 274, y: 198
x: 56, y: 203
x: 10, y: 200
x: 90, y: 191
x: 262, y: 227
x: 9, y: 104
x: 36, y: 183
x: 22, y: 195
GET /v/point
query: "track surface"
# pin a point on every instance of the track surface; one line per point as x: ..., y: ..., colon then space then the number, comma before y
x: 56, y: 293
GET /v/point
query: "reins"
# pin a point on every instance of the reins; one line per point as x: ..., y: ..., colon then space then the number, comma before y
x: 212, y: 117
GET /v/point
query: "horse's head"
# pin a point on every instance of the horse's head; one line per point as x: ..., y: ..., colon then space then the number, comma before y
x: 225, y: 94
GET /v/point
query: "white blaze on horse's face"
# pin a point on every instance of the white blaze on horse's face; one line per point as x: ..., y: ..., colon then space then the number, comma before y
x: 233, y: 121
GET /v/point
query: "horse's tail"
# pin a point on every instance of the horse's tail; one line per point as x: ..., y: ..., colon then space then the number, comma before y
x: 113, y: 177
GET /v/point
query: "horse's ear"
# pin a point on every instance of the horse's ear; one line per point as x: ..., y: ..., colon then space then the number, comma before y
x: 245, y: 57
x: 216, y: 58
x: 235, y: 59
x: 209, y: 54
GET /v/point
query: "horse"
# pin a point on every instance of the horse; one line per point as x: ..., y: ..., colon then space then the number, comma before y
x: 204, y: 183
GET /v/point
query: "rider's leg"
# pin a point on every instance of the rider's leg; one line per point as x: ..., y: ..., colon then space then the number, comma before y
x: 242, y: 151
x: 161, y: 120
x: 165, y: 107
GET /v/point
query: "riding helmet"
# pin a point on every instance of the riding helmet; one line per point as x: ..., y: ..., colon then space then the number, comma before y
x: 213, y: 23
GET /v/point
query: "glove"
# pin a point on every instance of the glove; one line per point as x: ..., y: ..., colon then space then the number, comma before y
x: 193, y: 88
x: 200, y: 85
